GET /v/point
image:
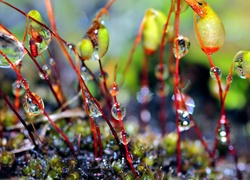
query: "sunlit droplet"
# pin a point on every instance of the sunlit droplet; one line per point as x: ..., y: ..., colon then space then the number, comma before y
x: 161, y: 72
x: 222, y: 133
x: 184, y: 120
x: 185, y: 102
x: 17, y: 87
x: 33, y: 104
x: 124, y: 138
x: 86, y: 76
x: 93, y: 109
x: 24, y: 83
x: 183, y: 46
x: 47, y: 71
x: 144, y: 95
x: 215, y: 71
x: 230, y: 80
x: 118, y: 111
x: 242, y: 64
x: 114, y: 90
x: 11, y: 48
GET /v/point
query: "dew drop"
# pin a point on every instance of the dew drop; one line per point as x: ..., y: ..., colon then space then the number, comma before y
x: 93, y: 109
x: 229, y: 78
x: 95, y: 55
x: 144, y: 95
x: 161, y: 72
x: 86, y: 76
x: 118, y: 111
x: 184, y: 120
x: 25, y: 83
x: 31, y: 105
x: 11, y: 47
x: 47, y: 71
x: 215, y: 70
x: 114, y: 90
x: 222, y: 133
x: 145, y: 115
x: 185, y: 102
x: 17, y: 88
x: 71, y: 48
x: 101, y: 76
x: 124, y: 138
x: 183, y: 46
x: 242, y: 64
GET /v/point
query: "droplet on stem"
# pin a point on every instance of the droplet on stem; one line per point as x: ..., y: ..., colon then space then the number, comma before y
x: 86, y: 76
x: 118, y: 111
x: 32, y: 104
x: 25, y: 83
x: 47, y: 71
x: 242, y: 64
x: 183, y: 46
x: 184, y: 120
x: 124, y: 138
x: 114, y: 90
x: 215, y: 71
x: 11, y: 47
x: 16, y: 86
x: 93, y: 109
x: 222, y: 133
x: 161, y: 72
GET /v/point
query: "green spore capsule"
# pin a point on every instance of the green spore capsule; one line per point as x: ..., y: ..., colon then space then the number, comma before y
x: 85, y: 48
x: 38, y: 35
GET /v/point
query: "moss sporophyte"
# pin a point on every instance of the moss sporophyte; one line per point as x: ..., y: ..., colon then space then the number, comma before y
x: 78, y: 116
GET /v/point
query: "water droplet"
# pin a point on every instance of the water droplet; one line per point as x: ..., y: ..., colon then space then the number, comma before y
x: 114, y: 90
x: 215, y: 70
x: 71, y: 47
x: 231, y: 79
x: 86, y: 76
x: 242, y: 64
x: 93, y: 109
x: 17, y: 87
x: 144, y: 95
x: 24, y: 83
x: 161, y: 72
x: 52, y: 62
x: 184, y: 120
x: 118, y: 111
x: 32, y: 104
x: 124, y: 137
x: 11, y: 47
x: 183, y: 46
x: 222, y: 133
x: 101, y: 76
x: 185, y: 102
x: 95, y: 55
x: 47, y: 71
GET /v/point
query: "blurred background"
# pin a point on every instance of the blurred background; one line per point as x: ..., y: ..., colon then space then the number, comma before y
x: 73, y: 19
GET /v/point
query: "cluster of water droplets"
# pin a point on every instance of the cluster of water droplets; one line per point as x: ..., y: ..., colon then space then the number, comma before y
x: 223, y: 132
x: 185, y: 109
x: 242, y: 64
x: 183, y: 46
x: 144, y: 95
x: 11, y: 48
